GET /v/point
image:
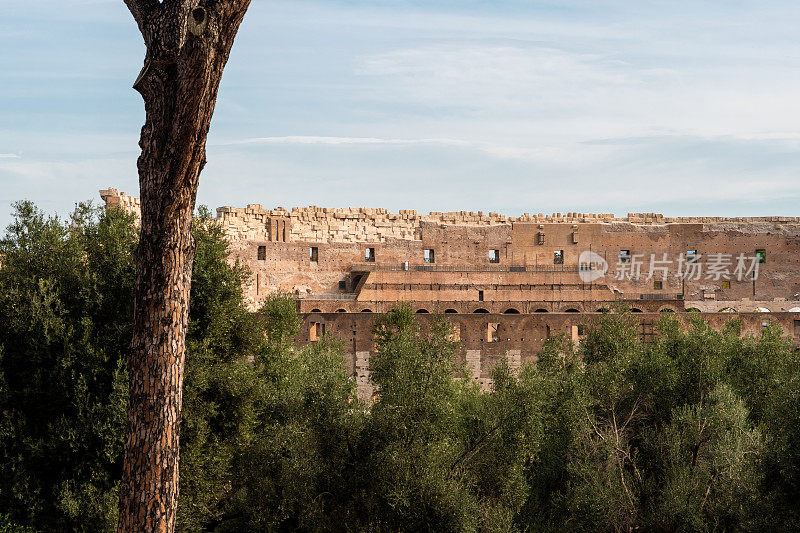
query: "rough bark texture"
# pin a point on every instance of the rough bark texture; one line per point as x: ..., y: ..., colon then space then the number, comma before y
x: 188, y: 43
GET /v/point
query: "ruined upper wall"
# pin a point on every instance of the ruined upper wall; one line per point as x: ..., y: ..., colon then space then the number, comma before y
x: 364, y: 224
x: 115, y: 198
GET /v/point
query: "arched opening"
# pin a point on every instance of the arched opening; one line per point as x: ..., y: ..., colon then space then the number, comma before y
x: 450, y: 311
x: 602, y: 310
x: 366, y: 310
x: 666, y: 310
x: 692, y: 310
x: 341, y: 310
x: 635, y: 310
x: 541, y: 310
x: 316, y: 310
x: 727, y: 310
x: 762, y: 310
x: 794, y: 310
x: 572, y: 310
x: 356, y: 280
x: 510, y: 311
x: 422, y: 312
x: 480, y: 310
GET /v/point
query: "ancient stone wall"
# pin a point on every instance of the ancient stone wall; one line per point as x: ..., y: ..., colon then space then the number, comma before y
x: 486, y: 340
x: 364, y: 224
x: 519, y: 275
x: 277, y: 245
x: 115, y: 198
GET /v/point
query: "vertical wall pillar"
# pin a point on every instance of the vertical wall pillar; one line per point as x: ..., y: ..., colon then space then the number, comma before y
x: 363, y: 374
x: 514, y: 358
x: 474, y: 363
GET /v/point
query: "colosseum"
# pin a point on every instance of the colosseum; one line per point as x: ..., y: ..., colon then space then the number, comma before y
x: 508, y: 283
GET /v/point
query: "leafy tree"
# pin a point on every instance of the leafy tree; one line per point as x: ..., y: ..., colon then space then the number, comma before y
x: 65, y: 306
x: 221, y: 384
x: 710, y: 456
x: 293, y: 473
x: 565, y: 405
x: 66, y: 292
x: 694, y: 431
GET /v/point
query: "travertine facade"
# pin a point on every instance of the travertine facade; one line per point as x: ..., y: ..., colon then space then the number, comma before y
x: 518, y: 274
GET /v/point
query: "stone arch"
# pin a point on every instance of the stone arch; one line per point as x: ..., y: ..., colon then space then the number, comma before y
x: 531, y: 328
x: 692, y: 310
x: 603, y: 310
x: 422, y: 311
x: 728, y: 310
x: 572, y: 310
x: 480, y: 310
x: 541, y: 310
x: 666, y: 310
x: 316, y: 310
x: 340, y: 310
x: 450, y: 311
x: 511, y: 311
x: 635, y: 310
x: 366, y: 310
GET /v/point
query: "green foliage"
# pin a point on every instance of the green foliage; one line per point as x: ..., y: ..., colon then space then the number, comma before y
x: 697, y: 430
x: 674, y: 435
x: 291, y: 474
x: 708, y: 463
x: 282, y: 323
x: 8, y: 526
x: 220, y: 385
x: 65, y: 308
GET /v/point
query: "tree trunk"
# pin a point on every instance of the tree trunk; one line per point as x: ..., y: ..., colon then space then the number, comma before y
x: 188, y: 43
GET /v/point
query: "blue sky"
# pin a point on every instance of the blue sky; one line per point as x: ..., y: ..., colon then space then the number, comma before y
x: 681, y: 107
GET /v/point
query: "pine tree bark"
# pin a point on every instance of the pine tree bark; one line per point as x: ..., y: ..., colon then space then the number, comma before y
x: 188, y: 43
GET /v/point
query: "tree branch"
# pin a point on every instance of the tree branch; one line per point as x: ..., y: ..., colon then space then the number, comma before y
x: 141, y: 11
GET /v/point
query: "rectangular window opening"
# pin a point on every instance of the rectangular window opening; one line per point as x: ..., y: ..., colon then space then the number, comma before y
x: 369, y: 255
x: 455, y: 333
x: 762, y: 255
x: 726, y: 284
x: 558, y: 257
x: 658, y: 285
x: 316, y: 331
x: 494, y: 256
x: 480, y: 296
x: 691, y: 256
x: 343, y: 285
x: 262, y: 253
x: 493, y: 332
x: 624, y: 256
x: 313, y: 254
x: 429, y: 256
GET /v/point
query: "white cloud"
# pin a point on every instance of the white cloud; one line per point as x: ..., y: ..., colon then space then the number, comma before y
x: 496, y: 150
x: 685, y: 107
x: 311, y: 139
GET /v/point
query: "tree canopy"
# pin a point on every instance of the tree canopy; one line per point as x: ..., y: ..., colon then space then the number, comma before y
x: 694, y: 431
